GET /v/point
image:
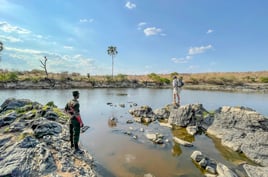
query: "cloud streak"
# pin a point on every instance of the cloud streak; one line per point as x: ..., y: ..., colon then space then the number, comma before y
x: 6, y: 27
x: 191, y: 52
x: 198, y: 50
x: 141, y: 25
x: 181, y: 60
x: 10, y: 39
x: 84, y: 20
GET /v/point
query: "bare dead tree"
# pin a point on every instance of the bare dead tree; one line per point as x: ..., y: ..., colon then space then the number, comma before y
x: 44, y: 65
x: 1, y: 48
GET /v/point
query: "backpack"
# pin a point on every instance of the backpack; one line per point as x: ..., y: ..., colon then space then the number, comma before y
x: 70, y: 107
x: 180, y: 83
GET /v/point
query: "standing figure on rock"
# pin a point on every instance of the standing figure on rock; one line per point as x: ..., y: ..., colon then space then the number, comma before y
x: 177, y: 85
x: 72, y: 107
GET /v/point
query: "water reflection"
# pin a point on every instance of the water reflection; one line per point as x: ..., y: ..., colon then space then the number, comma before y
x: 112, y: 122
x: 181, y: 133
x: 231, y: 156
x: 176, y: 150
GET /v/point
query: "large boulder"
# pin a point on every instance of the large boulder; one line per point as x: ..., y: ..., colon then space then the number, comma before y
x: 190, y: 114
x: 12, y: 104
x: 143, y: 114
x: 243, y: 130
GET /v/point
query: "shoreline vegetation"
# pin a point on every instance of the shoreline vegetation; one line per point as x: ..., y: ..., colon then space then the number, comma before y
x: 216, y: 81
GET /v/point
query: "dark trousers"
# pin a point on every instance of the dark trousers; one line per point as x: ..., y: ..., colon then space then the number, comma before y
x: 74, y: 132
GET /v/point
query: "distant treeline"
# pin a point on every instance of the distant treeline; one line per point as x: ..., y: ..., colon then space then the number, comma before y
x: 216, y: 78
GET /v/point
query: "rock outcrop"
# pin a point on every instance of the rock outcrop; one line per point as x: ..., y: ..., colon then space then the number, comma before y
x: 239, y: 128
x: 34, y: 141
x: 243, y: 130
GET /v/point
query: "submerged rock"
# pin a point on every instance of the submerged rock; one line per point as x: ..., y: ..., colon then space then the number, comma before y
x: 211, y: 166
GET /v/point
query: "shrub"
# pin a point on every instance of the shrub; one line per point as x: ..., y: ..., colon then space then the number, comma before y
x: 264, y: 79
x: 165, y: 80
x: 108, y: 78
x: 160, y: 80
x: 10, y: 76
x: 194, y: 80
x: 121, y: 77
x: 13, y: 76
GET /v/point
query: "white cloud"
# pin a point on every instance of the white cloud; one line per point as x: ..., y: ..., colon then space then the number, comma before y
x: 86, y: 20
x: 30, y: 59
x: 141, y: 25
x: 6, y: 27
x: 26, y: 51
x: 130, y: 5
x: 68, y: 47
x: 198, y: 50
x: 181, y: 60
x: 10, y: 39
x: 210, y: 31
x: 152, y: 31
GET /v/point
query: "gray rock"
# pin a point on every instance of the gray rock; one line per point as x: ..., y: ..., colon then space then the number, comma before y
x: 28, y: 142
x: 12, y: 104
x: 161, y: 113
x: 197, y: 156
x: 191, y: 114
x: 255, y: 171
x: 203, y: 163
x: 243, y: 130
x: 17, y: 127
x: 182, y: 142
x: 223, y: 170
x: 143, y: 114
x: 50, y: 115
x: 192, y: 130
x: 7, y: 119
x: 46, y: 127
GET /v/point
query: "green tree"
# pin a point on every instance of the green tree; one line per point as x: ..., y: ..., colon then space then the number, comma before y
x: 112, y: 51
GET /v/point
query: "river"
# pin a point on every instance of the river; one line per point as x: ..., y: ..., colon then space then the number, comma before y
x: 118, y: 154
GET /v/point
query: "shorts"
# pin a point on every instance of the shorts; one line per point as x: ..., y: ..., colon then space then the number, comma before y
x: 176, y: 90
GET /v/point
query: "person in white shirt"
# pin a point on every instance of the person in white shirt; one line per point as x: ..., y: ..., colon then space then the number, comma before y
x: 177, y: 85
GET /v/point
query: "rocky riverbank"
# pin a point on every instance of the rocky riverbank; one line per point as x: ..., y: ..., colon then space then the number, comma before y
x: 34, y: 138
x: 34, y: 141
x: 242, y: 129
x: 68, y: 84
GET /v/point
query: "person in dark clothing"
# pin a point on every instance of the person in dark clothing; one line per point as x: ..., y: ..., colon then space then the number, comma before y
x: 72, y: 107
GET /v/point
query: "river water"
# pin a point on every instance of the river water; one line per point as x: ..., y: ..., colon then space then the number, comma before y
x: 119, y: 154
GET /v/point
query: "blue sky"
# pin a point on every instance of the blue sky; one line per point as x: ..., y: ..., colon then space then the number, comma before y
x: 151, y: 36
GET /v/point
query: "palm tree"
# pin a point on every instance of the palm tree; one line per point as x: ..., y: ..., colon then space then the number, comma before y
x: 112, y: 51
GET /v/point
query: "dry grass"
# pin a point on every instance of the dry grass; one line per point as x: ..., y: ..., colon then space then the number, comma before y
x: 217, y: 78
